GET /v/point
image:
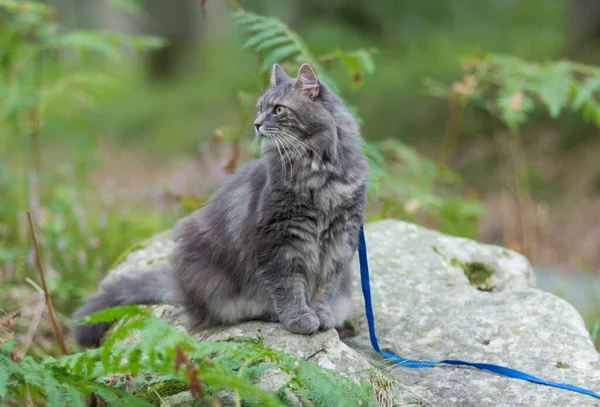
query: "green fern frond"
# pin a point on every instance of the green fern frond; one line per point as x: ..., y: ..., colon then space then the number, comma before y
x: 288, y: 48
x: 270, y: 43
x: 235, y: 364
x: 106, y: 43
x: 271, y: 33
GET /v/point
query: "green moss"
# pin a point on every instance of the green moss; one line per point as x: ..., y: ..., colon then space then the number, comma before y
x: 476, y: 272
x: 259, y: 340
x: 126, y: 253
x: 153, y: 393
x: 457, y: 263
x: 562, y: 365
x: 152, y: 261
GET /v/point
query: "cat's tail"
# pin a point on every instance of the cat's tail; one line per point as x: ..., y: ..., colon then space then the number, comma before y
x: 152, y: 287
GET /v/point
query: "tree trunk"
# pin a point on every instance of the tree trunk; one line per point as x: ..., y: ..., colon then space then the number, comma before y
x: 178, y: 21
x: 583, y: 31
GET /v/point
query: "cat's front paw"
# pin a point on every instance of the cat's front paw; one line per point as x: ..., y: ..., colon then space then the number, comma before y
x: 326, y: 320
x: 304, y: 324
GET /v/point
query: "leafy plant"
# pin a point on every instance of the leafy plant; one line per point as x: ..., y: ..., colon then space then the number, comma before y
x: 510, y: 88
x: 43, y: 68
x: 166, y: 354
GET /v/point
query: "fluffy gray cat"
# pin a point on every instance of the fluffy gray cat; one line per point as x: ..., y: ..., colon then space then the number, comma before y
x: 276, y: 242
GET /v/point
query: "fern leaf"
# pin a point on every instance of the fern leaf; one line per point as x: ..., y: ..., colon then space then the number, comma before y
x: 115, y: 313
x: 366, y: 61
x: 134, y: 359
x: 4, y: 376
x: 245, y: 388
x: 260, y: 37
x: 86, y: 41
x: 263, y: 45
x: 74, y: 396
x: 553, y: 86
x: 145, y: 42
x: 591, y: 112
x: 267, y: 25
x: 53, y: 391
x: 586, y: 92
x: 278, y: 55
x: 31, y: 374
x: 244, y: 17
x: 118, y: 333
x: 119, y: 398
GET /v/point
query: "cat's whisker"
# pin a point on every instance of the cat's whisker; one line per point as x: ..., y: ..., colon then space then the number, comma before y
x: 290, y: 134
x: 298, y: 151
x: 285, y: 158
x: 284, y: 143
x: 262, y: 91
x: 285, y: 153
x: 294, y: 145
x: 280, y: 156
x: 290, y: 144
x: 252, y: 145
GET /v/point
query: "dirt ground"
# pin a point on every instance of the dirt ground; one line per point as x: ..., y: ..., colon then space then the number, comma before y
x: 566, y: 236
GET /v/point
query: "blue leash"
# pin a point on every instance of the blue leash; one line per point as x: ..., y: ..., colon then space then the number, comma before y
x: 415, y: 364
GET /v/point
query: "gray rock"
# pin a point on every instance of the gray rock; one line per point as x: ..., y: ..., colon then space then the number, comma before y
x: 324, y: 349
x: 435, y: 297
x: 426, y: 308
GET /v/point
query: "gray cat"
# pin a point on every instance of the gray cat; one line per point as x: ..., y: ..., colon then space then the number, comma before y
x: 276, y: 242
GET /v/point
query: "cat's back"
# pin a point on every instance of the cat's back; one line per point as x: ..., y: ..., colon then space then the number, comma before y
x: 231, y: 209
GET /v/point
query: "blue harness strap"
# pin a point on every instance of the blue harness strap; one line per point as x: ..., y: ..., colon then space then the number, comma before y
x: 415, y: 364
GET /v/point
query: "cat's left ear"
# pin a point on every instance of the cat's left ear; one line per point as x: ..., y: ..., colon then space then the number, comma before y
x: 307, y: 81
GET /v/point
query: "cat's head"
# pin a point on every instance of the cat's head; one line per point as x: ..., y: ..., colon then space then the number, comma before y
x: 297, y: 113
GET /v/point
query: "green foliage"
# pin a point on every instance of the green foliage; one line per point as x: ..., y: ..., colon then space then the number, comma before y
x: 416, y: 188
x: 51, y: 384
x: 31, y: 41
x: 402, y: 183
x: 166, y: 354
x: 37, y: 73
x: 279, y: 44
x: 511, y: 88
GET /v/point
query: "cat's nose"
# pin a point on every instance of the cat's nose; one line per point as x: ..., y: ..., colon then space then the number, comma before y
x: 257, y: 124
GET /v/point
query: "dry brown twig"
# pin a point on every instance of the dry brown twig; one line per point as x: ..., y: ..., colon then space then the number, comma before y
x: 57, y: 330
x: 9, y: 323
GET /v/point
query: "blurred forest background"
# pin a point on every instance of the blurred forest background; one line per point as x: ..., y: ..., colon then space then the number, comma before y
x: 476, y: 127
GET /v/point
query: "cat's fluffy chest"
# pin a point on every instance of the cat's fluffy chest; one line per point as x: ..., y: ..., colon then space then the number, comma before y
x: 331, y: 238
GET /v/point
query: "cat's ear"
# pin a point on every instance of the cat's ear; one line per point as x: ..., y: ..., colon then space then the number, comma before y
x: 307, y: 81
x: 278, y: 75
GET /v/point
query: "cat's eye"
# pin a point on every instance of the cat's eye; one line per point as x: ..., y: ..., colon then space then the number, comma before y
x: 278, y: 110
